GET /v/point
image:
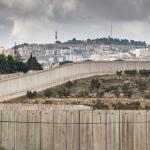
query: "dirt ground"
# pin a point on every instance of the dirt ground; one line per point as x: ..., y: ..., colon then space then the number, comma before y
x: 81, y: 101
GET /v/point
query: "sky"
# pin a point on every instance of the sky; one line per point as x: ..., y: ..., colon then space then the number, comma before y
x: 35, y: 21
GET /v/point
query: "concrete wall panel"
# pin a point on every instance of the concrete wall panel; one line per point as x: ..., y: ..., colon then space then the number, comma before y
x: 112, y: 129
x: 73, y: 130
x: 47, y: 132
x: 8, y: 129
x: 140, y: 130
x: 126, y: 130
x: 56, y: 129
x: 21, y: 139
x: 60, y: 130
x: 34, y: 130
x: 50, y: 78
x: 99, y: 130
x: 86, y: 133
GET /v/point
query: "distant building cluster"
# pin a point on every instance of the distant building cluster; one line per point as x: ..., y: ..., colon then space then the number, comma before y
x: 141, y: 52
x: 50, y: 54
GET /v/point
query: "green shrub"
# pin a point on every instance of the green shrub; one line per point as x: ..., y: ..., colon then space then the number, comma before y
x: 100, y: 94
x: 111, y: 88
x: 119, y: 73
x: 135, y: 105
x: 144, y: 72
x: 120, y: 106
x: 130, y: 72
x: 69, y: 84
x: 117, y: 93
x: 48, y: 93
x: 100, y: 105
x: 31, y: 95
x: 142, y: 86
x: 95, y: 84
x: 128, y: 93
x: 63, y: 92
x: 82, y: 94
x: 125, y: 87
x: 2, y: 148
x: 132, y: 106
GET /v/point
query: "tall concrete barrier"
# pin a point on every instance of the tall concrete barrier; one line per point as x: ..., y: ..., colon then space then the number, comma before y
x: 18, y: 86
x: 74, y: 130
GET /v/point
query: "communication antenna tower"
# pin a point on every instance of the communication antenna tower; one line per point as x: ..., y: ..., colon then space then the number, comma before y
x: 56, y: 36
x: 111, y: 31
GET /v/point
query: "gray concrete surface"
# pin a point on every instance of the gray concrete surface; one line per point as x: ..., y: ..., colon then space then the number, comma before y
x: 18, y: 86
x: 74, y: 129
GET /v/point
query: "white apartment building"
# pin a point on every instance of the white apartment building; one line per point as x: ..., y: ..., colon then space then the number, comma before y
x: 141, y: 52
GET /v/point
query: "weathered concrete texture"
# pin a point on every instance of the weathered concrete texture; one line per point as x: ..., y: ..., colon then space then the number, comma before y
x: 86, y: 128
x: 99, y: 130
x: 47, y: 132
x: 41, y: 107
x: 16, y: 87
x: 74, y: 130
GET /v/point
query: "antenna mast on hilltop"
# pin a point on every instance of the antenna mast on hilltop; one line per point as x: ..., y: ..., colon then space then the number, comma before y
x: 111, y: 31
x: 56, y: 36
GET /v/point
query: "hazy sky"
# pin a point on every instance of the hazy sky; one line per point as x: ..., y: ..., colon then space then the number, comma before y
x: 36, y: 20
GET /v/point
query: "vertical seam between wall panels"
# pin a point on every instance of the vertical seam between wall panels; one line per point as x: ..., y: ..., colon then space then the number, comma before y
x: 40, y: 130
x: 146, y: 130
x: 92, y: 133
x: 106, y: 131
x: 66, y: 127
x: 119, y: 131
x: 27, y: 130
x: 14, y: 131
x: 79, y: 130
x: 133, y: 130
x: 33, y: 122
x: 53, y: 129
x: 1, y: 127
x: 27, y: 127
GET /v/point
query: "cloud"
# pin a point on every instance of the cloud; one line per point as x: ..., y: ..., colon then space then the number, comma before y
x: 35, y: 20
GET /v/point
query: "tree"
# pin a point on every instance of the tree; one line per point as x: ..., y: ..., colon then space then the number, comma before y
x: 22, y: 67
x: 33, y: 64
x: 12, y: 64
x: 142, y: 86
x: 119, y: 73
x: 4, y: 67
x: 95, y: 84
x: 69, y: 84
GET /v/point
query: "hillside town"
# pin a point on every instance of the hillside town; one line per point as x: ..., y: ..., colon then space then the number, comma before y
x: 59, y: 53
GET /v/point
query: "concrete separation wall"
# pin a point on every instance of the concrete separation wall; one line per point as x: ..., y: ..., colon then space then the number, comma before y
x: 74, y: 130
x: 16, y: 87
